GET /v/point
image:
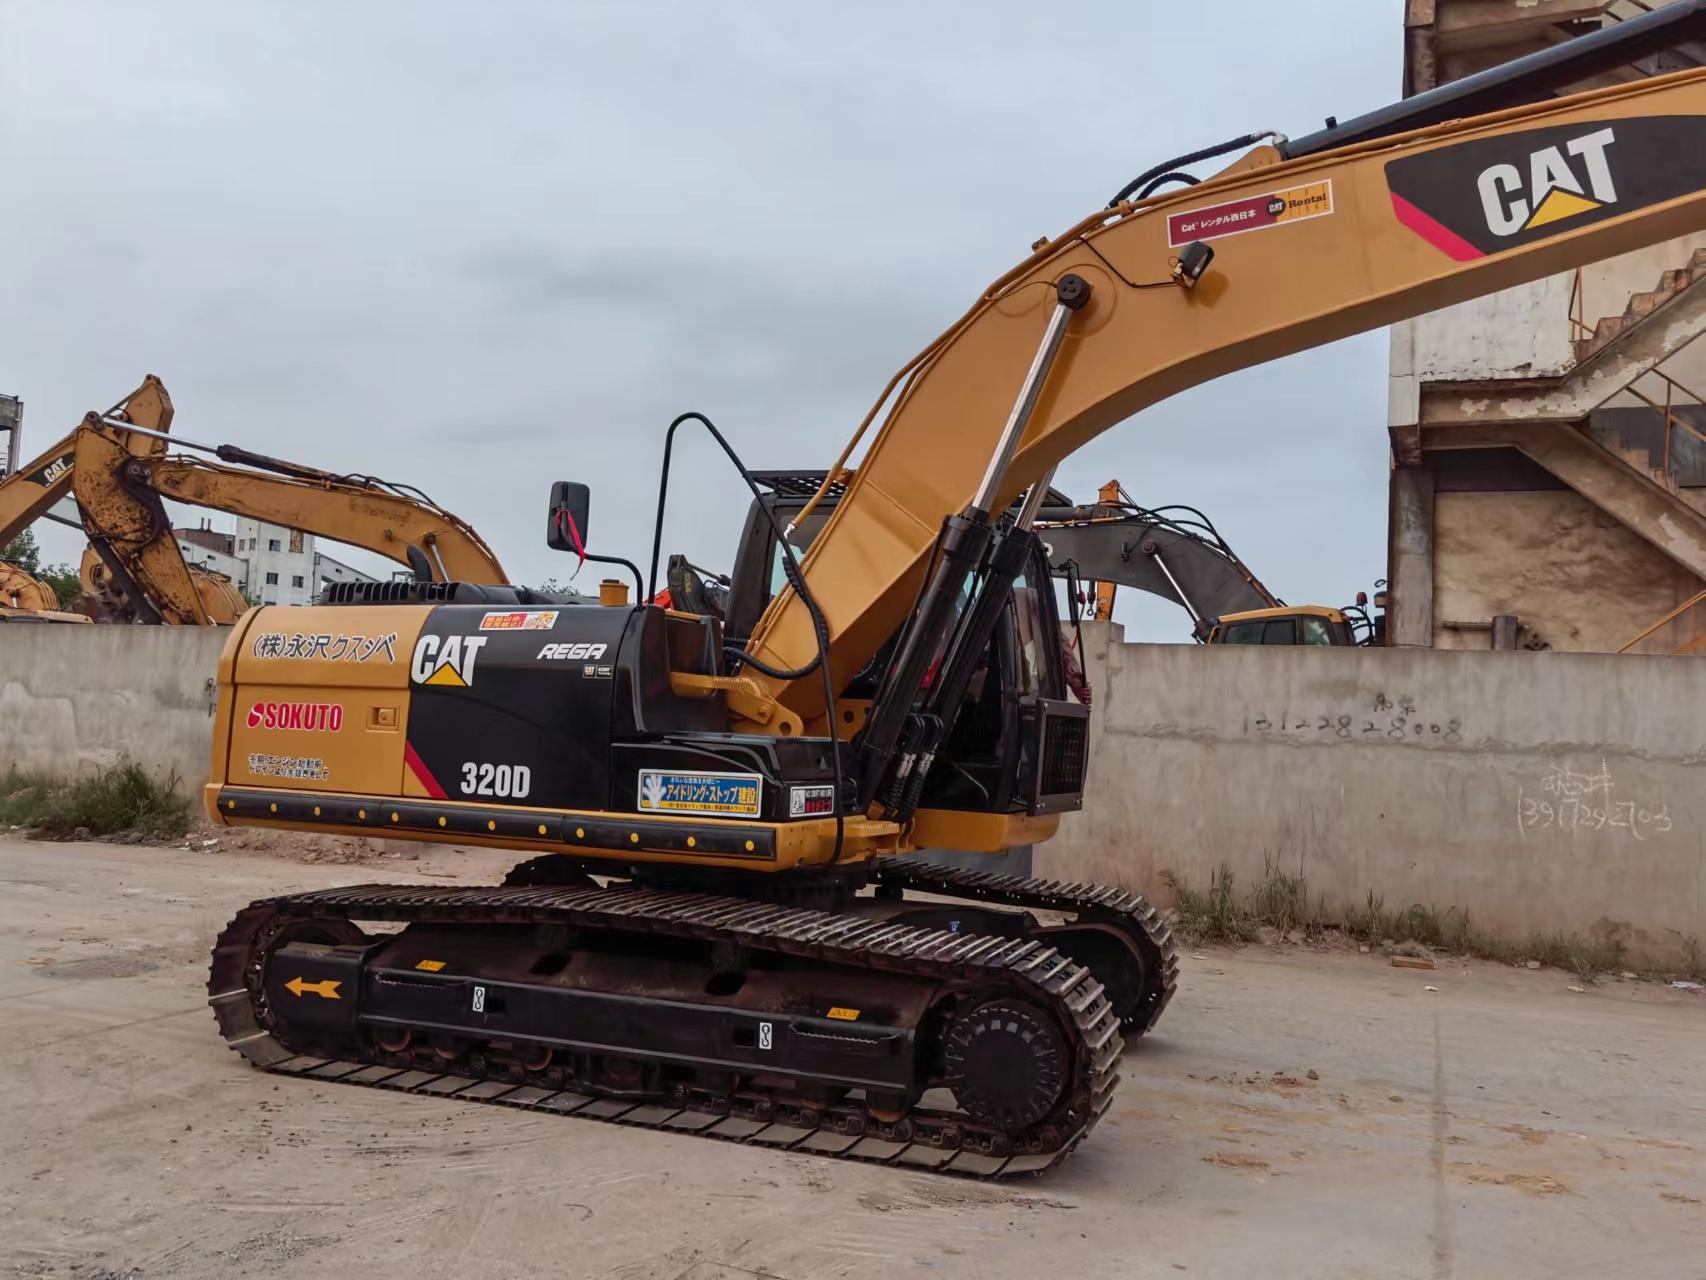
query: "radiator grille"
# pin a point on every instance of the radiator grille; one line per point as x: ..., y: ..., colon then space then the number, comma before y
x: 1065, y: 747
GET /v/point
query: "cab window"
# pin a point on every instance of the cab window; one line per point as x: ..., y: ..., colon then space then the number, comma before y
x: 801, y: 539
x: 1243, y: 633
x: 1262, y: 631
x: 1316, y: 630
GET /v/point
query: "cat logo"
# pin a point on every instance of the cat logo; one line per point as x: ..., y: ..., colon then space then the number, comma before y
x: 1554, y: 188
x: 1506, y: 191
x: 446, y: 660
x: 53, y: 472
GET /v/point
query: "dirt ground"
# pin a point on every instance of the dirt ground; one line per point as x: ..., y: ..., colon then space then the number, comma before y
x: 1296, y: 1115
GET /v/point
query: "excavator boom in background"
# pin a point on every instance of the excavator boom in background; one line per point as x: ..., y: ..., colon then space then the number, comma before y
x: 1176, y: 553
x: 736, y: 783
x: 29, y: 493
x: 121, y: 494
x: 116, y: 467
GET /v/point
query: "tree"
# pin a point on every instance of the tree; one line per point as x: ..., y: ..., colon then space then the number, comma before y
x: 23, y: 552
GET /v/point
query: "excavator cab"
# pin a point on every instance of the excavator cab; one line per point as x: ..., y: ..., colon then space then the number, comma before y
x: 996, y: 755
x: 1294, y: 624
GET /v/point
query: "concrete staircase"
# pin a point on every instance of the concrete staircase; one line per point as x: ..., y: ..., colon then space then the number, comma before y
x: 1446, y: 40
x: 1622, y: 484
x: 1641, y: 305
x: 1682, y: 58
x: 1640, y: 456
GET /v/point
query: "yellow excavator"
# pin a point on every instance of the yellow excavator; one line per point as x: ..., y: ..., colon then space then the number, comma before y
x: 116, y: 467
x: 139, y: 422
x: 1176, y: 553
x: 717, y: 930
x: 120, y: 491
x: 27, y: 598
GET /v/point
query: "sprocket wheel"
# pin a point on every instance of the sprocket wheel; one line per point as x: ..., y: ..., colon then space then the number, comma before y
x: 1006, y: 1062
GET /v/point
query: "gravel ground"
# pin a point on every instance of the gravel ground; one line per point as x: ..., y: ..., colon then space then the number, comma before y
x: 1298, y: 1114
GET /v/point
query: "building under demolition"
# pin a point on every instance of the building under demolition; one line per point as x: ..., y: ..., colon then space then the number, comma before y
x: 1549, y: 442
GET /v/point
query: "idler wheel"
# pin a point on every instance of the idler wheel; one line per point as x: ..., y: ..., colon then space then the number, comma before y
x: 1006, y: 1063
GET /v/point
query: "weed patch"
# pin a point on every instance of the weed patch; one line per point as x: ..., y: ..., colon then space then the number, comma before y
x: 122, y: 799
x: 1281, y: 902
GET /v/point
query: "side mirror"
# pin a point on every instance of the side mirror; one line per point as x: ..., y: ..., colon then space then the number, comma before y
x: 567, y: 528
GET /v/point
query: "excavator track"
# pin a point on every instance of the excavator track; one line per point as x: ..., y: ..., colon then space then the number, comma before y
x: 1128, y: 915
x: 1027, y: 972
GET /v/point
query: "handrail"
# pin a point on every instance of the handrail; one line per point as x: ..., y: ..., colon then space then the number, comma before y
x: 1670, y: 617
x: 1671, y: 384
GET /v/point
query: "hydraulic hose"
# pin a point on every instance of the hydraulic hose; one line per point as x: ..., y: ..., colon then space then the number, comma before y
x: 796, y: 579
x: 1207, y: 153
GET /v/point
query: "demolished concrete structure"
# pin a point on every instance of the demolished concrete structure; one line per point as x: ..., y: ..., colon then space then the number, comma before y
x: 1549, y: 444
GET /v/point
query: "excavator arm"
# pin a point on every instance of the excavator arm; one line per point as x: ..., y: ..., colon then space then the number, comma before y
x: 32, y: 490
x: 1306, y: 250
x: 1174, y: 553
x: 121, y: 497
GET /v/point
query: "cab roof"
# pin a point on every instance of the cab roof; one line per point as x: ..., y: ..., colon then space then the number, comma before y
x: 1284, y: 611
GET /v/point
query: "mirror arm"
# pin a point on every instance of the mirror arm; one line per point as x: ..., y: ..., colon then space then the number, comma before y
x: 630, y: 566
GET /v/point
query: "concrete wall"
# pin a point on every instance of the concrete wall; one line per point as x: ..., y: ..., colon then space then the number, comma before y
x: 1542, y: 792
x: 80, y: 698
x: 1526, y: 332
x: 1579, y: 579
x: 1549, y: 792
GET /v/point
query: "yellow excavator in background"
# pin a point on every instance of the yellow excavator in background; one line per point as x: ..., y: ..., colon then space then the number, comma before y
x: 1176, y: 553
x: 120, y: 492
x: 704, y: 800
x: 30, y: 492
x: 26, y: 598
x: 116, y: 467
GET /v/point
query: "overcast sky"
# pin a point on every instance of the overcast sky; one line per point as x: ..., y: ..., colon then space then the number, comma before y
x: 479, y: 247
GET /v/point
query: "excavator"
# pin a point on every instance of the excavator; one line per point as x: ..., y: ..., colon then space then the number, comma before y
x: 1176, y: 553
x: 120, y: 491
x: 26, y: 598
x: 140, y: 423
x: 717, y: 929
x: 30, y: 492
x: 116, y: 466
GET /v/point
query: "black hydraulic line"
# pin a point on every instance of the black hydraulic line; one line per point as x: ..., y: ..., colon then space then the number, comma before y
x: 961, y: 547
x: 1207, y: 153
x: 1163, y: 180
x: 1521, y: 81
x: 1006, y: 559
x: 796, y: 579
x: 261, y: 462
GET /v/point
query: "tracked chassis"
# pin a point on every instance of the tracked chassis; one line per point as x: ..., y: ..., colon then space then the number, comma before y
x: 834, y: 1032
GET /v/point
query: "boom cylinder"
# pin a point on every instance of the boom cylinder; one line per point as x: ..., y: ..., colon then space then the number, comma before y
x: 963, y: 541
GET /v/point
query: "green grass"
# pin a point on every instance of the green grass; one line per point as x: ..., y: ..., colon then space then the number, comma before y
x: 1281, y: 902
x: 120, y: 799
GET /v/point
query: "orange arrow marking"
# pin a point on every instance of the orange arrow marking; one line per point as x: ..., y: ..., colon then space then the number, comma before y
x: 328, y: 988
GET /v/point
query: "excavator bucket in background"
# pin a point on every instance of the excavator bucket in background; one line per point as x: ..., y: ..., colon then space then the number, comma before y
x: 219, y: 595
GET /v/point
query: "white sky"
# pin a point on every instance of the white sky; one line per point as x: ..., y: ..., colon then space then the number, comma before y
x: 481, y: 247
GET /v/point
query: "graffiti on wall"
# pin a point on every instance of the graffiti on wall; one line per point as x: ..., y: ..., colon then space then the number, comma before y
x: 1381, y: 719
x: 1574, y: 802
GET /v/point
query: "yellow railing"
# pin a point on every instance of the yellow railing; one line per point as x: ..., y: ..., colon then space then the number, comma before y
x: 1689, y: 646
x: 1672, y: 386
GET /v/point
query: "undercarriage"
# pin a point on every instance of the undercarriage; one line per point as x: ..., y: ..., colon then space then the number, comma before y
x: 938, y: 1022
